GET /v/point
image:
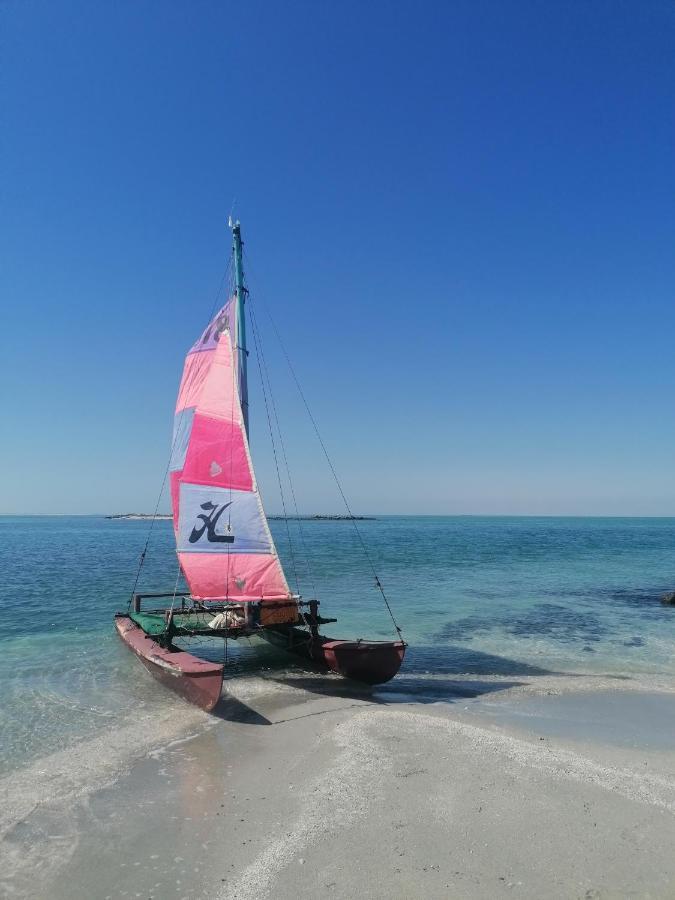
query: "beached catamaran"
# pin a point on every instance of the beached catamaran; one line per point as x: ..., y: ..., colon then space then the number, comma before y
x: 237, y: 586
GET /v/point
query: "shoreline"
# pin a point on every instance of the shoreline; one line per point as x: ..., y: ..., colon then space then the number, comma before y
x: 143, y: 517
x: 455, y: 785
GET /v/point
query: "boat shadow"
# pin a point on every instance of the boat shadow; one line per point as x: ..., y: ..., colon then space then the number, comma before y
x: 231, y: 709
x: 428, y: 675
x: 441, y: 689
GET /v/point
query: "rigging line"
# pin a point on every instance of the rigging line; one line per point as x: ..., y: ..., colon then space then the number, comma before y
x: 378, y: 583
x: 303, y: 541
x: 310, y: 572
x: 189, y: 383
x: 175, y: 588
x: 276, y: 461
x: 274, y: 452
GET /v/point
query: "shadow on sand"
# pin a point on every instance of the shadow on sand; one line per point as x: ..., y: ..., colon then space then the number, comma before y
x: 230, y: 709
x: 429, y: 675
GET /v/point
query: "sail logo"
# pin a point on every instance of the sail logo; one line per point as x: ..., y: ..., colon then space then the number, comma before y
x: 209, y: 519
x: 220, y: 520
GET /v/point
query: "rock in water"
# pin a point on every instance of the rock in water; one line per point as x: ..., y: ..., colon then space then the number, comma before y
x: 668, y: 599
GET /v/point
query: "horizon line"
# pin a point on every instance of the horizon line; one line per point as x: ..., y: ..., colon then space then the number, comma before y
x: 449, y: 515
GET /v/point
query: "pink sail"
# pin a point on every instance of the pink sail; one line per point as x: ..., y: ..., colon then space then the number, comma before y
x: 223, y: 541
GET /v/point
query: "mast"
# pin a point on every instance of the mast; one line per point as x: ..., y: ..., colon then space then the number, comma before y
x: 240, y: 300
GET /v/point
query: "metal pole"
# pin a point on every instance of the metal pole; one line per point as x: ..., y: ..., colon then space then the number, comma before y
x: 240, y: 342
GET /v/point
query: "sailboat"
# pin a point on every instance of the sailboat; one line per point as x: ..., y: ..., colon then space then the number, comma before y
x: 226, y: 553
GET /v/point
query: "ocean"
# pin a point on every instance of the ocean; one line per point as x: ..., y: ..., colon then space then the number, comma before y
x: 481, y: 595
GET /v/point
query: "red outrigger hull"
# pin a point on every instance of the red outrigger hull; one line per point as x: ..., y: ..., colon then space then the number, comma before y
x: 371, y: 662
x: 195, y: 679
x: 367, y: 661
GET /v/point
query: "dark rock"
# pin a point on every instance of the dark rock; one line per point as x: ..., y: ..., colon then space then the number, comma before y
x: 668, y: 599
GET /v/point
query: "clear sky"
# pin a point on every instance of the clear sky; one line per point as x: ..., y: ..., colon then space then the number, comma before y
x: 461, y: 214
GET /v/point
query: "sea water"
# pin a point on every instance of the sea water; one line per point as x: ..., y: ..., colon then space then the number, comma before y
x: 487, y: 596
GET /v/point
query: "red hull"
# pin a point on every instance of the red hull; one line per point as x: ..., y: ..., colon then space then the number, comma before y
x: 367, y: 661
x: 372, y: 662
x: 195, y: 679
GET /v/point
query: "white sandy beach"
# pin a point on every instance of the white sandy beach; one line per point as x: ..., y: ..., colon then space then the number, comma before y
x: 551, y: 787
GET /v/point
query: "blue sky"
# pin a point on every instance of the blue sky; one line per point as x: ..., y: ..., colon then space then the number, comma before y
x: 460, y: 213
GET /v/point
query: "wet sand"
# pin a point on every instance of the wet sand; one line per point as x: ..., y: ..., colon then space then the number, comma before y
x: 434, y: 787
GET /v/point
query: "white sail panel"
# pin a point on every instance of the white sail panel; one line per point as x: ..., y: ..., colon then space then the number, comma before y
x: 217, y: 520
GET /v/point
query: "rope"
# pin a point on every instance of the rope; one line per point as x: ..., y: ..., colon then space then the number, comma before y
x: 378, y: 583
x: 274, y: 453
x: 175, y: 589
x: 310, y: 572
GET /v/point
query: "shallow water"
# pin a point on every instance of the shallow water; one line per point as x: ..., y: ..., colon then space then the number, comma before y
x: 639, y: 719
x: 509, y: 596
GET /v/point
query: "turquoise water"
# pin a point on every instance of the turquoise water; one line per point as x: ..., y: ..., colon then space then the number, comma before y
x: 473, y: 595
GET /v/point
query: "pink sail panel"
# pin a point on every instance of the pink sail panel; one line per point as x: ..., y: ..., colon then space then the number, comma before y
x: 199, y: 359
x: 195, y: 372
x: 217, y: 455
x: 237, y: 576
x: 223, y: 541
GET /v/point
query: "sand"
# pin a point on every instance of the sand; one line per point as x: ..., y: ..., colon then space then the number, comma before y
x: 305, y: 787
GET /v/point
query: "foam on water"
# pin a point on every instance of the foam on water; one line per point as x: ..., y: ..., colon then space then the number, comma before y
x: 490, y: 596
